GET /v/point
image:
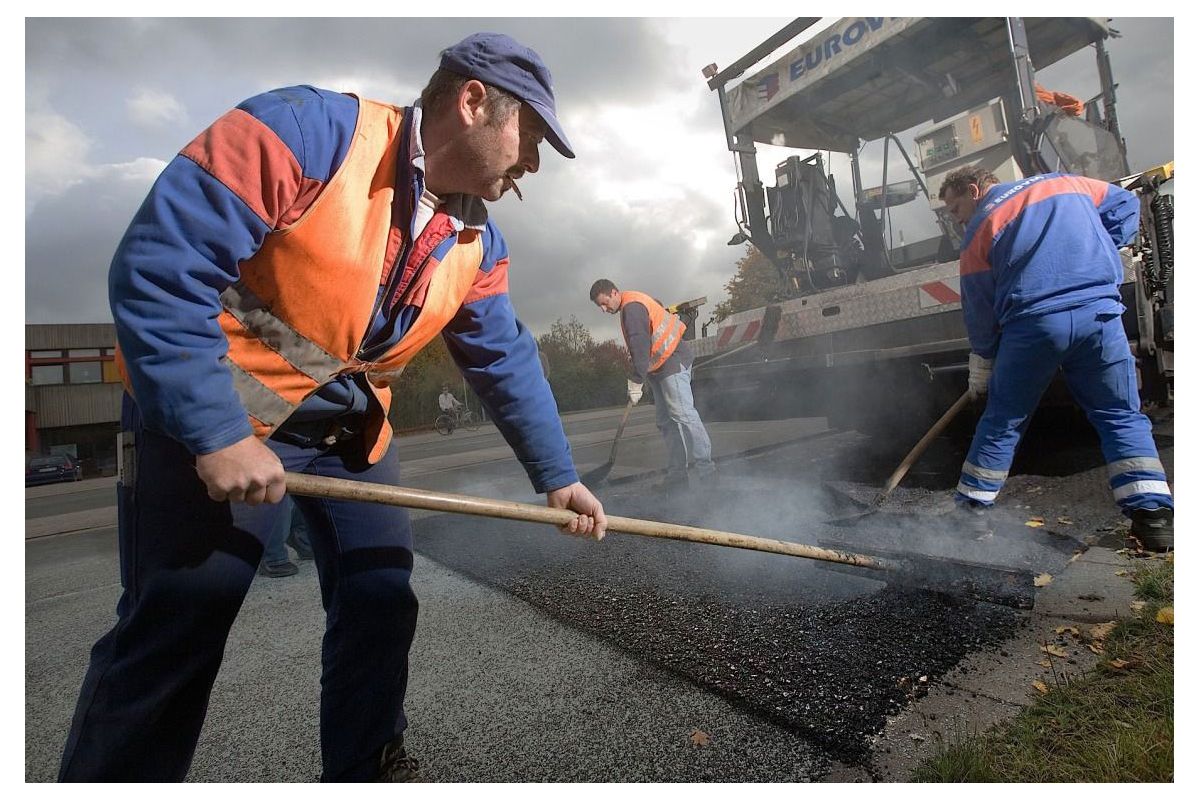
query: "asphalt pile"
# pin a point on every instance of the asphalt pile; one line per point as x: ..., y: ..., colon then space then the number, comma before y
x: 831, y: 672
x: 824, y: 653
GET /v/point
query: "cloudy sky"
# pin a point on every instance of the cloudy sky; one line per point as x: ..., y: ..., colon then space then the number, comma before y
x: 647, y: 202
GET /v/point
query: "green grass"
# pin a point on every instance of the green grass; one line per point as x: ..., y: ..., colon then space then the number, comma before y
x: 1109, y: 724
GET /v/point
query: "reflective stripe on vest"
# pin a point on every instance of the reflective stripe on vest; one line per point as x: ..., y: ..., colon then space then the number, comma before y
x: 666, y: 329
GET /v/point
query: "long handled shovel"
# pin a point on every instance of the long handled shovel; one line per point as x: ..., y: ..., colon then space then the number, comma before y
x: 599, y: 474
x: 906, y: 464
x: 999, y: 585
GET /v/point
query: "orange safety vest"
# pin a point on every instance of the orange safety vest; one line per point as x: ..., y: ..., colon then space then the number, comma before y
x: 666, y: 329
x: 298, y: 314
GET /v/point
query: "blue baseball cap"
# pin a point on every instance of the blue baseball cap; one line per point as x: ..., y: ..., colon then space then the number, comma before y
x: 505, y: 63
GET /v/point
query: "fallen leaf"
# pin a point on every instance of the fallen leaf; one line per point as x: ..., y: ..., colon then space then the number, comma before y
x: 1065, y: 521
x: 1137, y: 605
x: 700, y: 738
x: 1036, y: 522
x: 1071, y: 629
x: 916, y: 737
x: 1041, y: 687
x: 1098, y: 632
x: 1118, y: 663
x: 1165, y: 615
x: 1075, y: 557
x: 1043, y: 579
x: 1096, y: 648
x: 1054, y: 650
x: 1121, y: 573
x: 1045, y: 662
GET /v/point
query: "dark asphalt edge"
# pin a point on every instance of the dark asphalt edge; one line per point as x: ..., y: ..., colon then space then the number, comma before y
x: 828, y: 763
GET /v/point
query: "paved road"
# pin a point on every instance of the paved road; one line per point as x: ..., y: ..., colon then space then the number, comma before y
x: 499, y: 691
x: 82, y: 498
x: 532, y: 645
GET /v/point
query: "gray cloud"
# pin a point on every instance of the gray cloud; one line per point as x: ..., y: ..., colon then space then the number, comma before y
x: 80, y: 73
x: 71, y: 237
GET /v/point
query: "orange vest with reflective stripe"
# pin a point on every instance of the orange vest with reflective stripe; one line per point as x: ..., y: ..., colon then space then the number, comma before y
x: 666, y: 329
x: 303, y: 304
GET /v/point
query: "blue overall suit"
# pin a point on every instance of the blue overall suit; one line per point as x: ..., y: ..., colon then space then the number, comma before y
x: 1040, y: 276
x: 187, y: 561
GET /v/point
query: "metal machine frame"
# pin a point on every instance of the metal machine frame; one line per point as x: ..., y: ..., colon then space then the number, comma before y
x: 893, y: 319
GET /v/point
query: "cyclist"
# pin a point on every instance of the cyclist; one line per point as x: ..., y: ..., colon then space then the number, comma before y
x: 448, y: 403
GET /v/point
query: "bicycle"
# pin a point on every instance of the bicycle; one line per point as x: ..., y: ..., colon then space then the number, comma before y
x: 447, y: 421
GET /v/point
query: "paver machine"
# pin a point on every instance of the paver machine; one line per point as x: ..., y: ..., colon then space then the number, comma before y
x: 866, y: 327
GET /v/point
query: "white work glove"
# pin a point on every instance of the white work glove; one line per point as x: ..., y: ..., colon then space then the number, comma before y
x: 635, y: 391
x: 980, y: 372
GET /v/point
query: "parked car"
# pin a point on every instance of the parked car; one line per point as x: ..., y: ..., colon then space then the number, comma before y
x: 52, y: 469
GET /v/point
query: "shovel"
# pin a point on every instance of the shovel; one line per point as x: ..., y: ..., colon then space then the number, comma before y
x: 996, y: 585
x: 906, y: 464
x: 600, y: 473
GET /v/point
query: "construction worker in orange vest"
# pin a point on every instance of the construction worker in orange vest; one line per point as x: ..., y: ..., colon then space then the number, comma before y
x: 662, y: 358
x: 285, y: 267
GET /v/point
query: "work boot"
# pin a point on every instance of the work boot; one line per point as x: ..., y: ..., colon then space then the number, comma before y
x: 974, y: 520
x: 302, y: 553
x: 396, y: 765
x: 282, y: 570
x: 705, y: 471
x: 1154, y: 528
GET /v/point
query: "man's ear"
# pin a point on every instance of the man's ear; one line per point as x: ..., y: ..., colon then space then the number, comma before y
x: 975, y: 191
x: 470, y: 102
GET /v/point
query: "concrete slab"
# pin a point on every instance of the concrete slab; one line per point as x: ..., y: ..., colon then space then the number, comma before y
x: 74, y: 487
x: 68, y: 523
x: 992, y: 686
x: 1096, y: 588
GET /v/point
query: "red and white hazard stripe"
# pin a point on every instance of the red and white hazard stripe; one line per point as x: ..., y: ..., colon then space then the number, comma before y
x: 738, y: 334
x: 940, y: 293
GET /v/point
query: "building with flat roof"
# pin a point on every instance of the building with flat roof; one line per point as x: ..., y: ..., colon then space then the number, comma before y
x: 73, y: 394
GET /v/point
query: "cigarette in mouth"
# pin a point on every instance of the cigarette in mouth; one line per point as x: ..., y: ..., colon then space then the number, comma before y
x: 513, y: 185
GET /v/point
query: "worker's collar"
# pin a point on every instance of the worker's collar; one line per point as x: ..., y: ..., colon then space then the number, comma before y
x: 464, y: 210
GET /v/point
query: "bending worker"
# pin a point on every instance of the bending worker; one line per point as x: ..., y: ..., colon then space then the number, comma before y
x: 1040, y: 276
x: 661, y: 357
x: 285, y: 267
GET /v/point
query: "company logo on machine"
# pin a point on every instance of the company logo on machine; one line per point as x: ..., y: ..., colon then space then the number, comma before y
x: 768, y: 85
x: 940, y: 293
x: 831, y: 46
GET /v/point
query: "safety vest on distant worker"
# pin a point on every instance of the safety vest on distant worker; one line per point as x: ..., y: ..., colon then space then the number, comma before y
x: 666, y: 329
x: 298, y: 315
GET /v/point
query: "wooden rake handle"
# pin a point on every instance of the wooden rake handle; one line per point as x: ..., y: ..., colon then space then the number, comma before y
x: 612, y: 456
x: 919, y: 447
x: 342, y: 489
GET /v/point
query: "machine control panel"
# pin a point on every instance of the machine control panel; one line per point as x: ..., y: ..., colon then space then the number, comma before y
x: 964, y: 135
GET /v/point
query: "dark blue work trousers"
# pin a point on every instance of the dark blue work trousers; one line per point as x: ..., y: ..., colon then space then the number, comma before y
x: 186, y: 565
x: 1090, y: 346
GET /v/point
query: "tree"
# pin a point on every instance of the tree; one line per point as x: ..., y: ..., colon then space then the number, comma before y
x: 415, y: 392
x: 571, y: 337
x: 583, y: 373
x: 755, y: 283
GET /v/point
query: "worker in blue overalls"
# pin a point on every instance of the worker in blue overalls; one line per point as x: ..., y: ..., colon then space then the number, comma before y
x: 1040, y: 275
